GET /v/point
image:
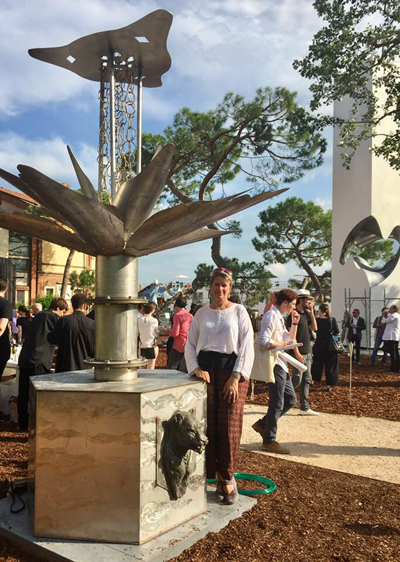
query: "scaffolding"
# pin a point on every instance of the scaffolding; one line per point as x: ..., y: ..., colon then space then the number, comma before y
x: 367, y: 302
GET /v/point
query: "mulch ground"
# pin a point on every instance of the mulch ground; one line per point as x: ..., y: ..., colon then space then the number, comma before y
x: 317, y: 515
x: 375, y: 393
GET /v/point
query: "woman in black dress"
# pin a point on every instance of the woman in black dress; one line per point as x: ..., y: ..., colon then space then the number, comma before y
x: 322, y: 356
x: 23, y: 323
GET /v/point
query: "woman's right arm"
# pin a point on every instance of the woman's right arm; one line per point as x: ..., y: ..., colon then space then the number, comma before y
x: 389, y: 318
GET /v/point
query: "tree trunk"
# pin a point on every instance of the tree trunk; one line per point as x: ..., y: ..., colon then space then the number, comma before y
x: 312, y: 275
x: 216, y: 250
x: 66, y: 273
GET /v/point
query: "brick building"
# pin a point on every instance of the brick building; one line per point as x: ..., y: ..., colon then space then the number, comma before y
x: 34, y: 267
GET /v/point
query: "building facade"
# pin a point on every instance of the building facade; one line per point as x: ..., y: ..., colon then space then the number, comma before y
x: 34, y: 267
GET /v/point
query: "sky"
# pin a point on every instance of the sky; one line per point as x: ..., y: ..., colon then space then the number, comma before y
x: 215, y: 47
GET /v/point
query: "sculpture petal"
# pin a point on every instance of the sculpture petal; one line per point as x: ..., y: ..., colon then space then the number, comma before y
x: 84, y: 56
x: 28, y: 190
x: 95, y: 223
x: 136, y: 198
x: 180, y: 220
x: 84, y: 181
x: 45, y: 230
x: 196, y: 236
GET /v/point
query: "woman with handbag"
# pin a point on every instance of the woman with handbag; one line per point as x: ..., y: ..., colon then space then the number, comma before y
x: 324, y: 353
x: 219, y: 350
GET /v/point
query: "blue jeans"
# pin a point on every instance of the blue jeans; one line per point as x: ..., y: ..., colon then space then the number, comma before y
x: 303, y: 380
x: 378, y: 342
x: 282, y: 397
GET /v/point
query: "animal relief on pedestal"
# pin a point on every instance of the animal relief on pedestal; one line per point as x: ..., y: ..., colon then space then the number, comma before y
x: 182, y: 437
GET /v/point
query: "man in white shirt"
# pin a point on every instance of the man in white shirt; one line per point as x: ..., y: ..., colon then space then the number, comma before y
x: 391, y: 336
x: 282, y: 396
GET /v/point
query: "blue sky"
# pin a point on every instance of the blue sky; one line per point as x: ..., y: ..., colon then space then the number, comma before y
x: 215, y: 46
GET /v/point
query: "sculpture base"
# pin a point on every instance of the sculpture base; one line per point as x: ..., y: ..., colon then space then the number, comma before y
x: 95, y: 458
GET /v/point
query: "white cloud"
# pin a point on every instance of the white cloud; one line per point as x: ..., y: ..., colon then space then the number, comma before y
x: 324, y: 202
x: 215, y: 47
x: 49, y: 156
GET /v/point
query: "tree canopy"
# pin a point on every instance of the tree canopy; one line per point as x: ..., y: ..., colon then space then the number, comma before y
x: 302, y: 231
x: 251, y: 280
x: 359, y: 42
x: 271, y: 139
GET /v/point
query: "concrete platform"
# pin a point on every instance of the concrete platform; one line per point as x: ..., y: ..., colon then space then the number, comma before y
x: 18, y: 529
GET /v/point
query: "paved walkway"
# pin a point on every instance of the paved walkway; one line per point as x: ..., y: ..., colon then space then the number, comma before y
x: 361, y: 446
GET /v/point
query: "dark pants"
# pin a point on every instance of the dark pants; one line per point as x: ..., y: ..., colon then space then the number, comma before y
x: 393, y: 348
x: 323, y: 358
x: 303, y: 380
x: 5, y: 356
x: 174, y: 359
x: 356, y: 339
x: 23, y: 392
x: 170, y: 343
x: 378, y: 342
x: 282, y: 397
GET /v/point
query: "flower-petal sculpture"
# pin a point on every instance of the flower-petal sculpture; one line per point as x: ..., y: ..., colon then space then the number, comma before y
x: 123, y: 228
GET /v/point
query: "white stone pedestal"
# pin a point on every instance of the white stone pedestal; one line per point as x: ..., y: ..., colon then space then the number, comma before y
x: 95, y: 456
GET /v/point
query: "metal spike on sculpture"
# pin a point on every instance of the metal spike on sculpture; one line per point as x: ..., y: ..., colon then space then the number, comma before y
x: 120, y: 232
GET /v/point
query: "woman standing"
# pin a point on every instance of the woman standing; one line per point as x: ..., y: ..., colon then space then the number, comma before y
x: 148, y: 331
x: 23, y: 323
x: 391, y: 337
x: 220, y: 351
x: 322, y: 356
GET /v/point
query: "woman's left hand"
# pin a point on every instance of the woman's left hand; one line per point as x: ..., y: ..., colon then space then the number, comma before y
x: 231, y: 390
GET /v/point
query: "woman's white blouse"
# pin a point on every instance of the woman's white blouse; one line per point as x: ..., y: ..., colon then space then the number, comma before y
x: 224, y: 331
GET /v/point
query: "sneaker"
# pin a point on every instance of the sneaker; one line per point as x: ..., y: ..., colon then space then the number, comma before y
x: 308, y: 412
x: 358, y: 363
x: 275, y: 447
x: 258, y: 427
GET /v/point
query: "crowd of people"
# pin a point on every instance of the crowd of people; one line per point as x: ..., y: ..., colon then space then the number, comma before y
x: 214, y: 343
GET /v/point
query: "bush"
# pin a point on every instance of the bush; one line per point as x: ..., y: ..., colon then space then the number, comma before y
x: 45, y: 301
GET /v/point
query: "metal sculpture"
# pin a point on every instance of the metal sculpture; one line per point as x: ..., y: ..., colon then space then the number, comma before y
x: 120, y: 232
x: 363, y: 234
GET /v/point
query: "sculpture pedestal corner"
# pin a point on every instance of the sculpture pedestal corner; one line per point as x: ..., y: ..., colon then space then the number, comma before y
x: 95, y: 456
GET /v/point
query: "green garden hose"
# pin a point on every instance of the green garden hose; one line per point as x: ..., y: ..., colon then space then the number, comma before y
x: 269, y: 489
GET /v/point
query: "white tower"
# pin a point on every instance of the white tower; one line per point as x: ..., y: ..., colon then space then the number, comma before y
x: 366, y: 208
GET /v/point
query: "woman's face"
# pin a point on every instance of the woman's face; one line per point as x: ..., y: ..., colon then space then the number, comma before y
x: 220, y: 288
x: 392, y: 310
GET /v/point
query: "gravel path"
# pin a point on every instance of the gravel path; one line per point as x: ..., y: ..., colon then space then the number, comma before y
x: 360, y: 446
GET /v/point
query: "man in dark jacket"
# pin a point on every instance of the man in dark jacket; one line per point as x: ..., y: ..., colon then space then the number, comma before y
x: 37, y: 353
x: 6, y: 314
x: 74, y: 335
x: 356, y: 325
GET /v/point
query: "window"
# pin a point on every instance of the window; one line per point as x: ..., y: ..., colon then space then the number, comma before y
x: 19, y: 251
x: 22, y: 296
x: 49, y: 291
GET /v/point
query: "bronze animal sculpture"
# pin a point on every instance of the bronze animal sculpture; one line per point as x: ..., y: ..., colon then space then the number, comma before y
x: 182, y: 435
